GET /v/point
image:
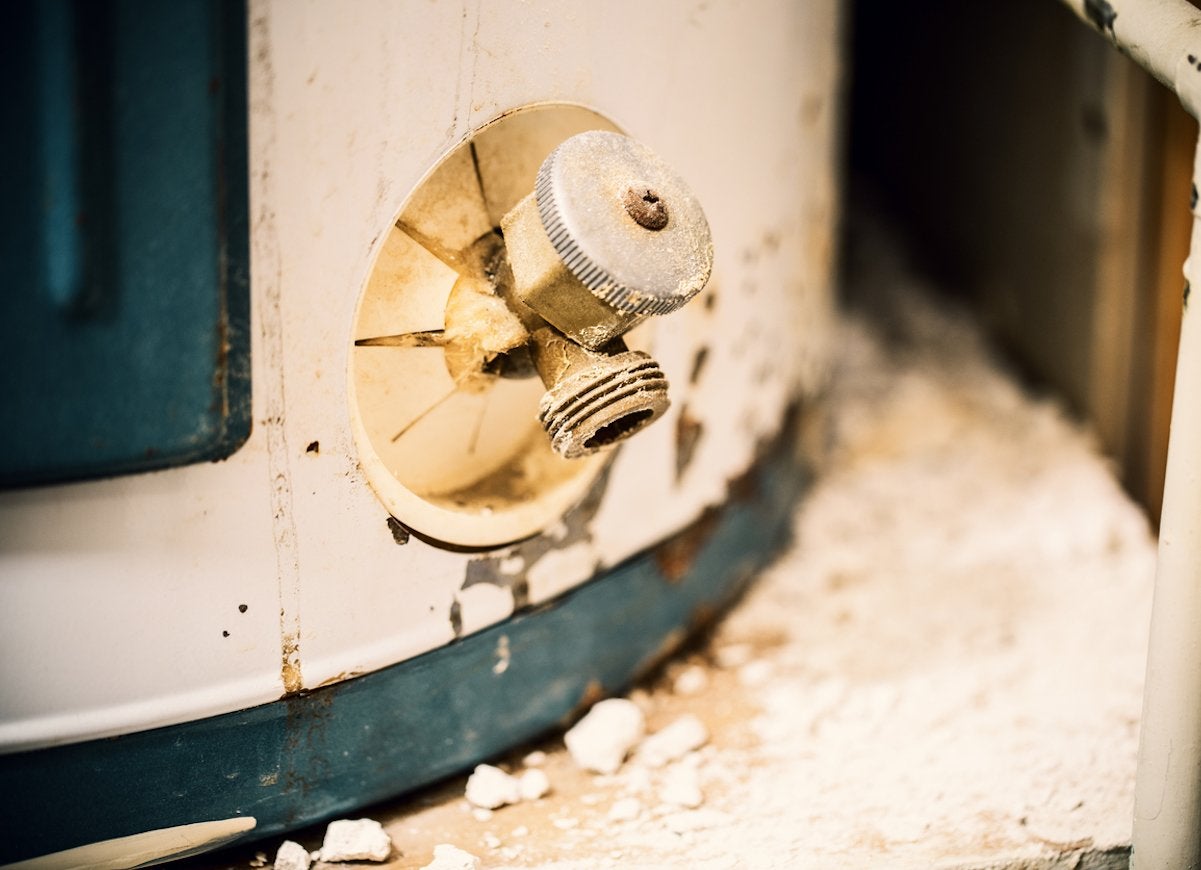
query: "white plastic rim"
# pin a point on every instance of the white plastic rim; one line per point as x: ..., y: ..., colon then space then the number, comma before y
x: 436, y: 488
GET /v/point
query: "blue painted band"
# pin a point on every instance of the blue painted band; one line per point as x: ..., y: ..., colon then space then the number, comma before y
x: 322, y: 754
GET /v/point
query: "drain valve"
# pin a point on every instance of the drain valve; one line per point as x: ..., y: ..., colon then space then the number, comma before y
x: 609, y: 236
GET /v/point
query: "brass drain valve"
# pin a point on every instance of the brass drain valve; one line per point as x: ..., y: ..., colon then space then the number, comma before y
x: 609, y: 236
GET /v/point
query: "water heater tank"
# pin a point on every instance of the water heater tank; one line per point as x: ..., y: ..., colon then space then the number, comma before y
x: 385, y: 383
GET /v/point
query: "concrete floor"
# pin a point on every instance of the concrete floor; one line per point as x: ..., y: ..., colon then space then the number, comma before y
x: 944, y: 671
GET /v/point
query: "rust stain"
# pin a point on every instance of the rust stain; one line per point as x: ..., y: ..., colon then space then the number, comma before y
x: 592, y: 693
x: 289, y: 670
x: 339, y: 677
x: 675, y: 556
x: 688, y: 434
x: 667, y: 647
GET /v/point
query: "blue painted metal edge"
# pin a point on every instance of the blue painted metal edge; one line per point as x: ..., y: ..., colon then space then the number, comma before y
x: 321, y: 754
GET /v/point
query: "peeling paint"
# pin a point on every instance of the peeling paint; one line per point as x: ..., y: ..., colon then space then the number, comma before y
x: 560, y: 569
x: 511, y: 567
x: 400, y: 534
x: 1101, y: 14
x: 481, y: 605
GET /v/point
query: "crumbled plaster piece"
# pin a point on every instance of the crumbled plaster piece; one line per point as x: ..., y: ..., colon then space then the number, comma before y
x: 291, y: 856
x: 520, y: 831
x: 355, y: 840
x: 533, y: 784
x: 733, y: 655
x: 691, y: 681
x: 259, y: 859
x: 491, y: 841
x: 537, y: 758
x: 599, y: 742
x: 756, y: 673
x: 480, y: 814
x: 490, y: 787
x: 447, y: 857
x: 682, y: 787
x: 675, y: 741
x: 625, y: 810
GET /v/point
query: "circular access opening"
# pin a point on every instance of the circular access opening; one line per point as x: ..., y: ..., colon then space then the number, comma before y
x: 467, y: 467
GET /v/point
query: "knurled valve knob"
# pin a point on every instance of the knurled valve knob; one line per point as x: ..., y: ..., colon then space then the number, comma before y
x: 609, y: 235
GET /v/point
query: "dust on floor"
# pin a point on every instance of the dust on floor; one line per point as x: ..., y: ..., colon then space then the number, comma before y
x: 945, y: 670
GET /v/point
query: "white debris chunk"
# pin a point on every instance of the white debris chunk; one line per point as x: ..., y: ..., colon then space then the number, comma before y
x: 691, y: 681
x: 756, y: 673
x: 259, y: 859
x: 675, y: 741
x: 490, y: 787
x: 481, y: 815
x: 625, y: 810
x: 682, y: 787
x: 733, y: 655
x: 565, y: 824
x: 533, y: 784
x: 599, y: 742
x: 520, y: 831
x: 291, y: 856
x: 537, y: 758
x: 355, y: 840
x: 491, y: 841
x: 448, y: 857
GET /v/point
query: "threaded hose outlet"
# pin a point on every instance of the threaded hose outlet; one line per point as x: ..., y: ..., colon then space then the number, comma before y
x: 602, y: 403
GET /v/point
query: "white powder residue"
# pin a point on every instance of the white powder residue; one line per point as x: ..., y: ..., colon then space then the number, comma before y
x: 692, y: 680
x: 945, y: 670
x: 676, y: 740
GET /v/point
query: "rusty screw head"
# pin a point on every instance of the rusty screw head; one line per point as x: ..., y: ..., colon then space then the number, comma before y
x: 645, y: 207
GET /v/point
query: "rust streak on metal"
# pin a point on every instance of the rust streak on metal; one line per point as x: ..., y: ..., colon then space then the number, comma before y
x: 645, y: 207
x: 289, y: 671
x: 676, y: 555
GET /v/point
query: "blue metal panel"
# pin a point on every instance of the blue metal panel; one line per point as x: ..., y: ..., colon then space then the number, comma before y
x: 123, y: 246
x: 321, y: 754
